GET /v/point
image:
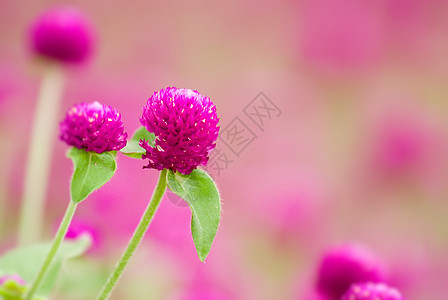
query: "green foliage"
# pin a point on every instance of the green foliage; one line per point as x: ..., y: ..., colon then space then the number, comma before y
x: 91, y: 171
x: 200, y: 192
x: 27, y: 261
x: 132, y: 148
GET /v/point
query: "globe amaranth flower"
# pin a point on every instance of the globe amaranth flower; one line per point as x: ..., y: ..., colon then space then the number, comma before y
x: 185, y: 124
x: 93, y: 127
x: 371, y: 291
x: 63, y: 34
x: 344, y: 265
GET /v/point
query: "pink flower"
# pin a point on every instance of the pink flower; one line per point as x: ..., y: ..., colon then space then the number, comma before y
x: 62, y: 34
x: 185, y: 124
x: 405, y: 144
x: 78, y: 229
x: 342, y: 266
x: 402, y: 146
x: 94, y: 127
x: 371, y: 291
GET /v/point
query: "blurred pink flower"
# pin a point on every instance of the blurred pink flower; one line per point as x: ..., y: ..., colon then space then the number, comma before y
x: 344, y: 265
x: 62, y: 34
x: 406, y: 145
x: 78, y: 228
x: 401, y: 146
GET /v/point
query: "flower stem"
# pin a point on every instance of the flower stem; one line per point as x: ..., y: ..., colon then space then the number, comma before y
x: 137, y: 237
x: 62, y: 231
x: 39, y: 154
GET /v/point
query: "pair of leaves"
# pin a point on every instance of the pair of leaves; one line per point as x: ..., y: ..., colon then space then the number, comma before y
x: 27, y: 261
x: 91, y: 171
x: 197, y: 188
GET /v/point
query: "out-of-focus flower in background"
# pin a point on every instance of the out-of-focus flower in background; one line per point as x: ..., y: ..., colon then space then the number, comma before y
x: 345, y: 265
x: 63, y: 34
x: 403, y: 146
x: 78, y: 228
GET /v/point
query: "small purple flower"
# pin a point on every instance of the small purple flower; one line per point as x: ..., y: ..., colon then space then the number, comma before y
x: 345, y: 265
x: 94, y: 127
x: 63, y: 34
x: 185, y: 124
x: 371, y: 291
x: 14, y: 277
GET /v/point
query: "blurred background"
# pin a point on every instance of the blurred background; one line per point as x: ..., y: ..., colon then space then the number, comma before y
x: 341, y: 113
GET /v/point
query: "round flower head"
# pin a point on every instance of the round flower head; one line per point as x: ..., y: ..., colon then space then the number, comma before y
x: 345, y: 265
x: 185, y: 125
x: 371, y: 291
x: 62, y: 34
x: 94, y: 127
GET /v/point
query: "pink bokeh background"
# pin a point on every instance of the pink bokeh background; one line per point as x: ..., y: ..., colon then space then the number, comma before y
x: 357, y: 153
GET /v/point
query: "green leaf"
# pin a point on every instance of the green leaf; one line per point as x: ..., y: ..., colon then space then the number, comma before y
x: 27, y: 261
x: 132, y: 148
x: 200, y: 192
x: 91, y: 171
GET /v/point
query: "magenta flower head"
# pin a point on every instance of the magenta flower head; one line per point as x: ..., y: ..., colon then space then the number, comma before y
x: 371, y: 291
x: 345, y: 265
x: 63, y: 34
x: 94, y: 127
x: 185, y: 124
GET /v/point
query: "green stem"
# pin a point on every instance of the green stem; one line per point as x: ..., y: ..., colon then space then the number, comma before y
x: 53, y: 250
x: 137, y: 237
x: 39, y: 154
